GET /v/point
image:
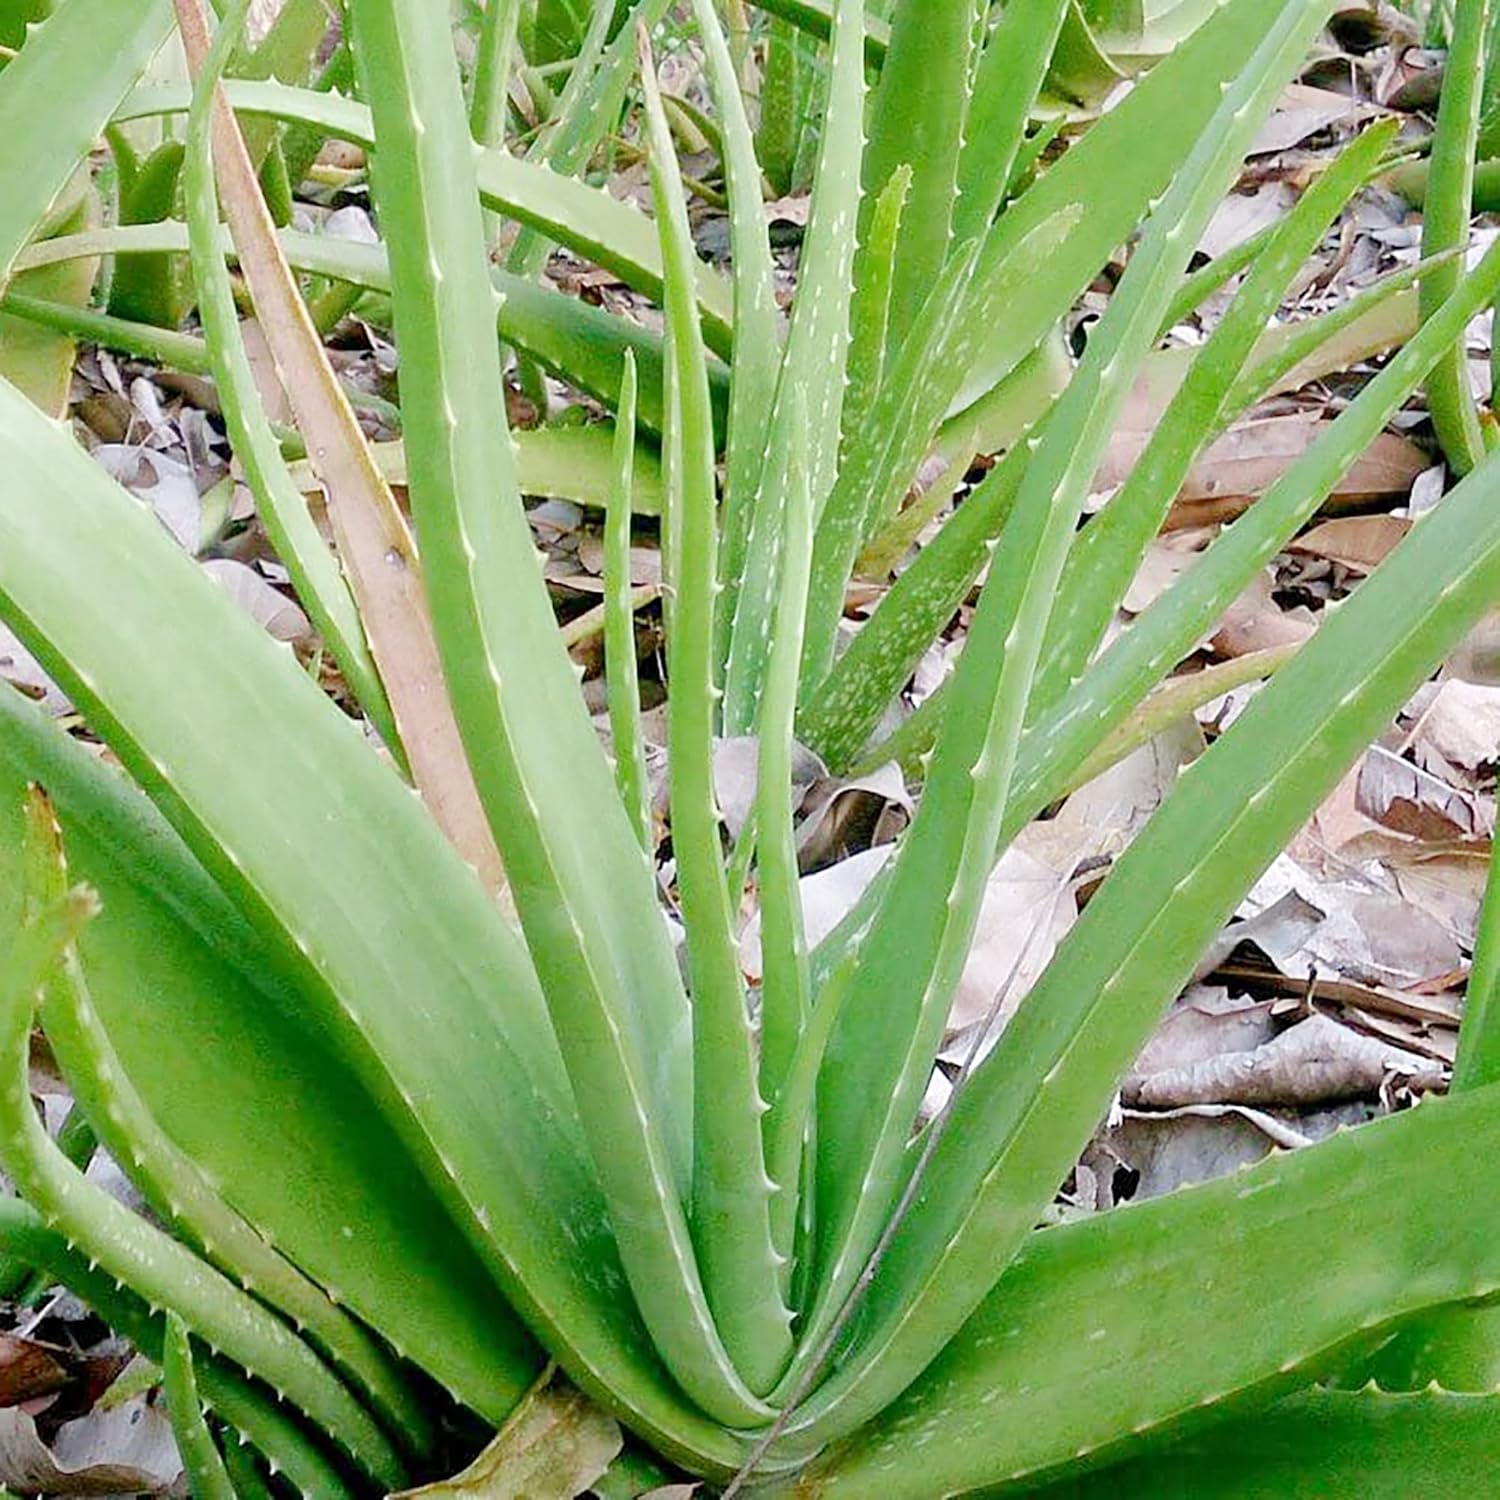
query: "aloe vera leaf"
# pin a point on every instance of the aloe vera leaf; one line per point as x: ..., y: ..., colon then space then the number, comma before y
x: 187, y: 996
x: 815, y: 362
x: 1009, y: 77
x: 869, y: 312
x: 149, y: 288
x: 489, y: 97
x: 1066, y: 735
x: 385, y: 913
x: 757, y: 355
x: 920, y: 938
x: 731, y: 1193
x: 917, y: 115
x: 1037, y: 1096
x: 584, y: 892
x: 1289, y: 1262
x: 72, y: 72
x: 1460, y: 1347
x: 131, y: 1250
x: 587, y: 111
x: 250, y: 1408
x: 1114, y: 174
x: 789, y: 1120
x: 581, y: 343
x: 1168, y: 704
x: 816, y: 18
x: 1373, y: 321
x: 620, y: 673
x: 993, y: 425
x: 1478, y: 1060
x: 838, y: 720
x: 784, y: 991
x: 180, y: 350
x: 180, y: 1193
x: 776, y: 138
x: 841, y: 715
x: 1108, y: 551
x: 287, y: 52
x: 1122, y: 162
x: 904, y: 421
x: 1445, y: 223
x: 375, y: 545
x: 314, y: 570
x: 583, y: 68
x: 566, y: 462
x: 1167, y: 631
x: 586, y: 220
x: 206, y: 1473
x: 1380, y: 1444
x: 1061, y: 739
x: 38, y: 360
x: 878, y: 464
x: 1082, y: 70
x: 490, y: 100
x: 251, y: 1481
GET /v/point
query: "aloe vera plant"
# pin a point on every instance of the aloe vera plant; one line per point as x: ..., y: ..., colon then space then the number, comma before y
x: 406, y: 1143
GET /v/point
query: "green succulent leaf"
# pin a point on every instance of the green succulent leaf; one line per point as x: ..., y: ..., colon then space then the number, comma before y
x: 585, y: 219
x: 731, y: 1194
x: 200, y: 1454
x: 53, y: 77
x: 129, y: 1249
x: 925, y: 924
x: 1142, y: 933
x: 250, y: 1408
x: 584, y: 892
x: 204, y: 1028
x: 1290, y: 1262
x: 815, y: 365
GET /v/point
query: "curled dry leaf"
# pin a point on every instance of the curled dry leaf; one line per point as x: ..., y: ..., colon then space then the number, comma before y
x: 1205, y: 1023
x: 1303, y: 111
x: 1028, y: 907
x: 1358, y: 542
x: 282, y: 619
x: 1243, y: 215
x: 735, y: 761
x: 1368, y: 933
x: 1313, y: 1062
x: 553, y: 1446
x: 1283, y: 927
x: 127, y: 1449
x: 1255, y: 622
x: 1172, y: 1149
x: 1248, y: 459
x: 166, y: 484
x: 27, y: 1370
x: 842, y: 816
x: 1409, y: 800
x: 1477, y: 658
x: 1461, y: 726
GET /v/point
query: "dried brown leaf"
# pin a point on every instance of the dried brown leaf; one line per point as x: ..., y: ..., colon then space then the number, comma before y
x: 1403, y: 797
x: 1315, y: 1061
x: 127, y: 1449
x: 1358, y: 542
x: 374, y: 542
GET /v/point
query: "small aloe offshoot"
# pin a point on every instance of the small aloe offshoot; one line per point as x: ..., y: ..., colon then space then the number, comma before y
x: 408, y: 1151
